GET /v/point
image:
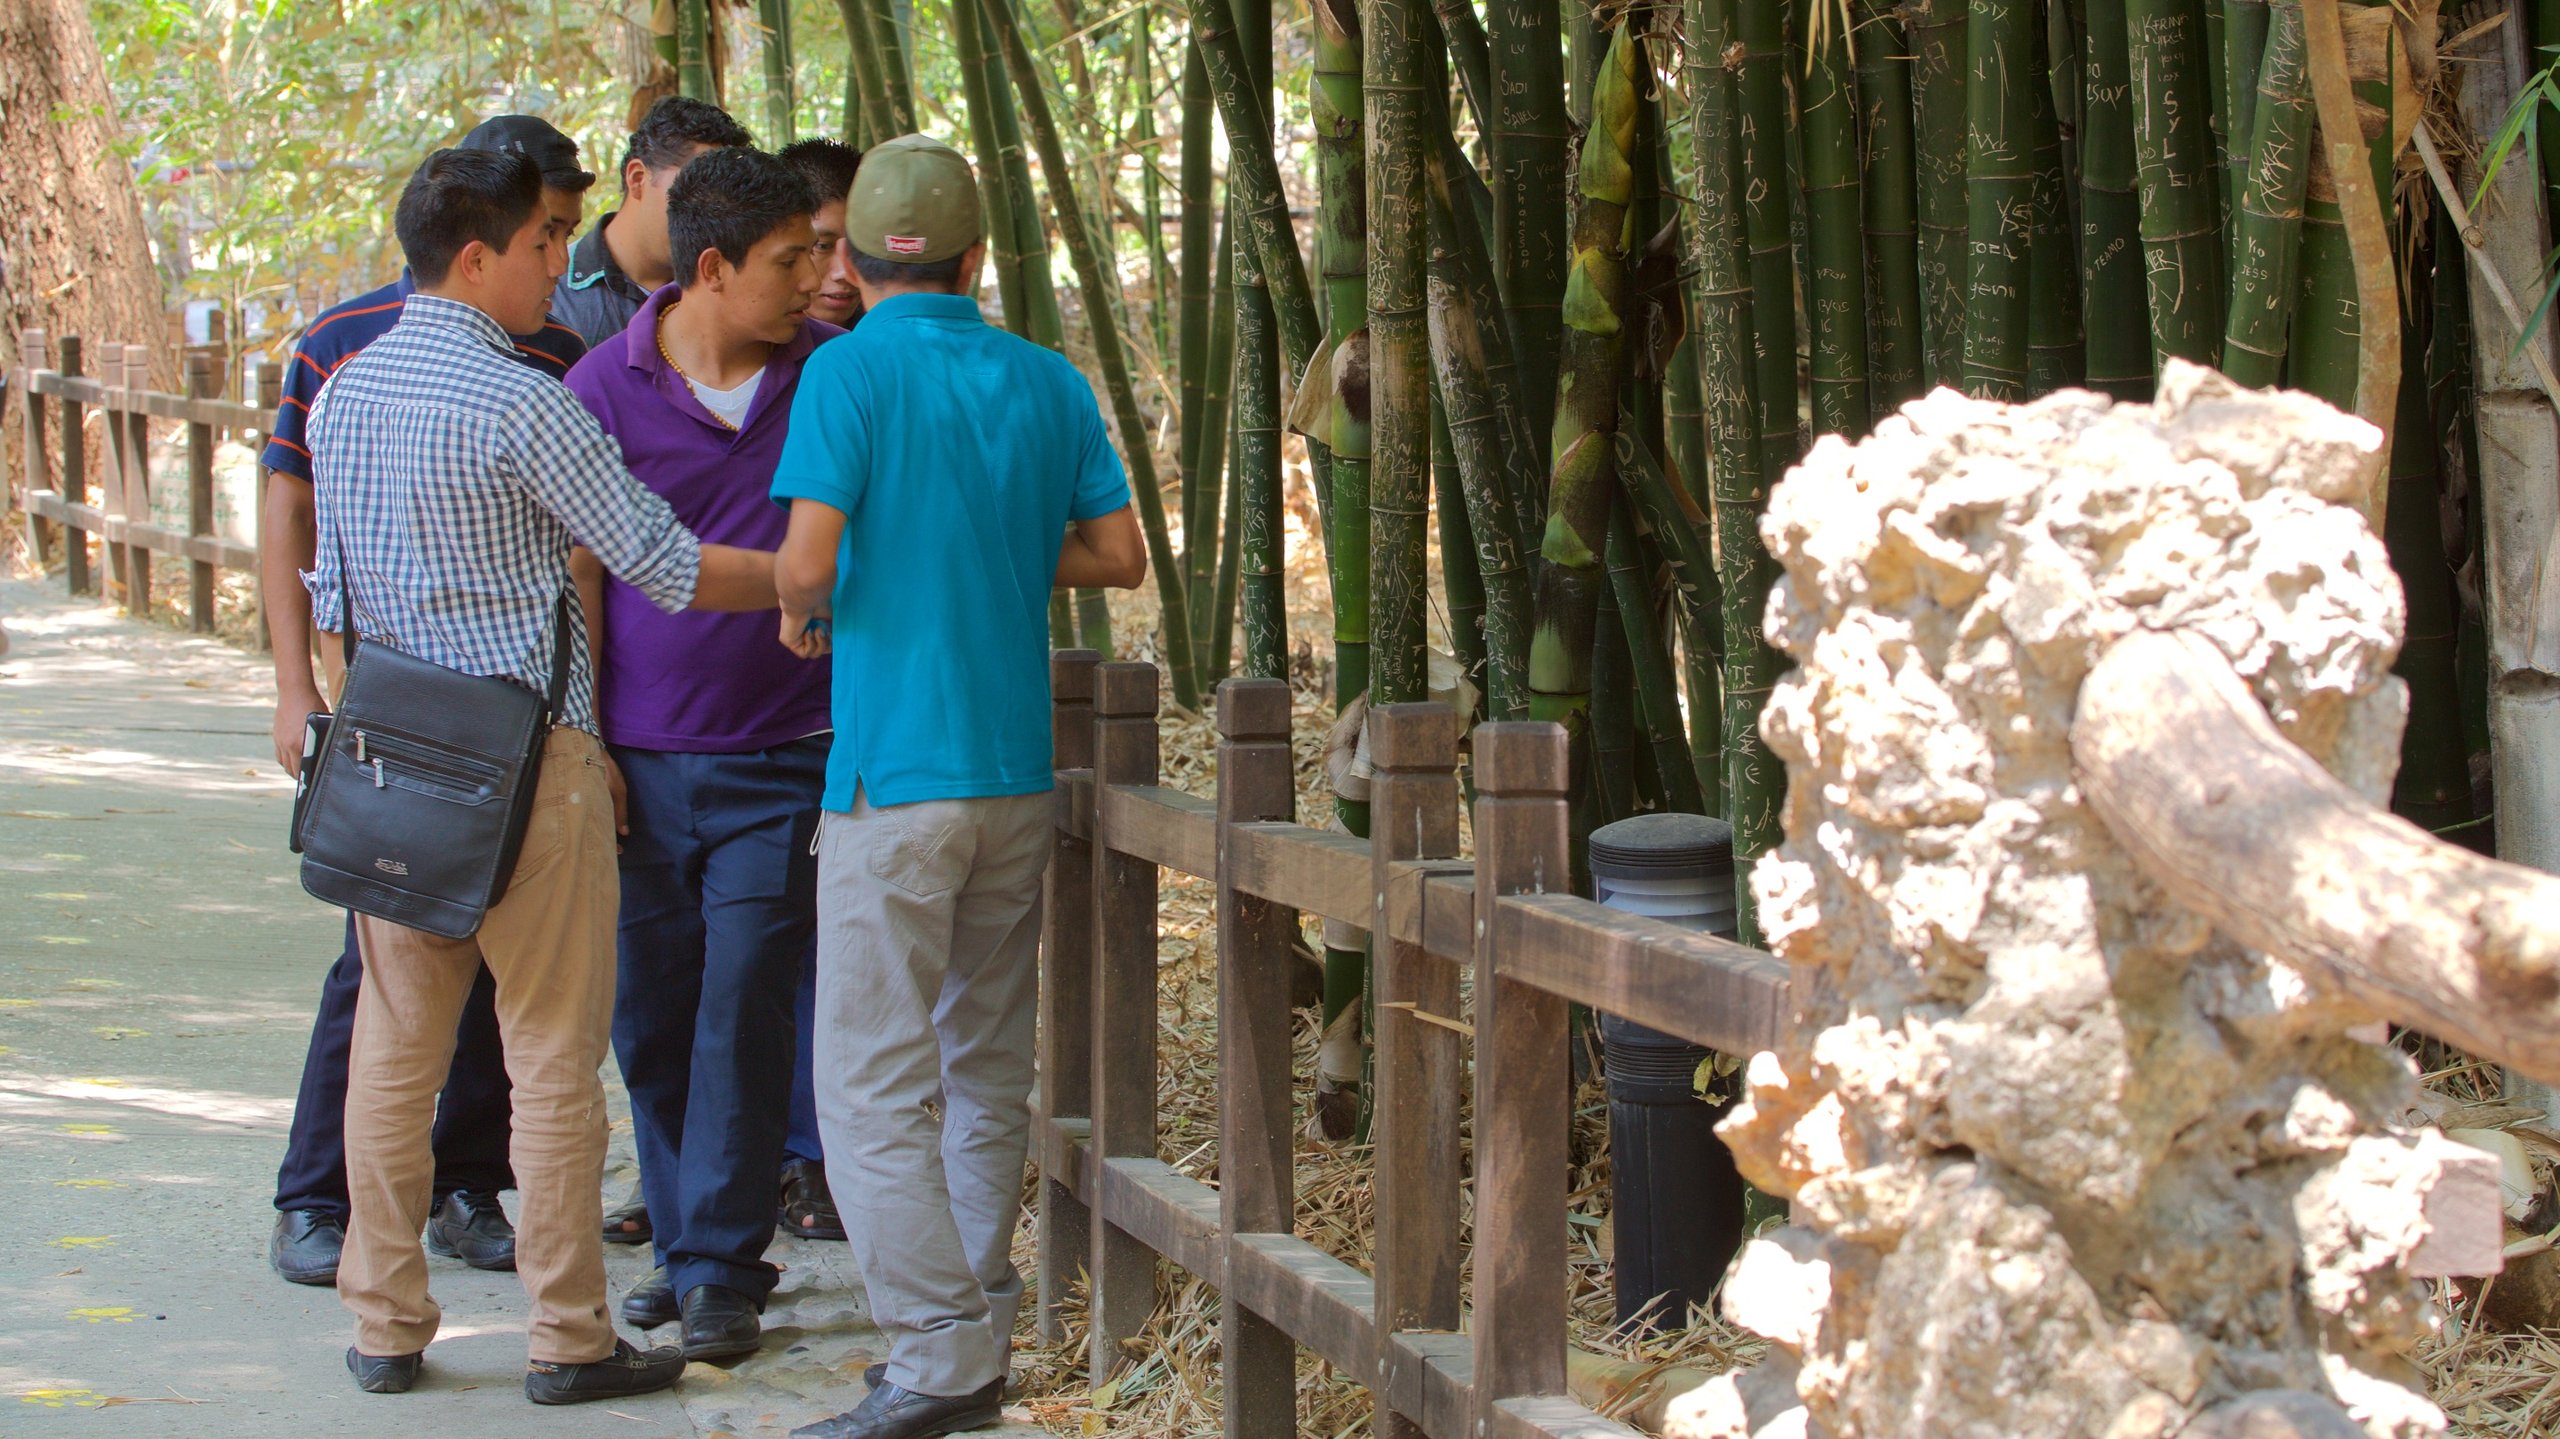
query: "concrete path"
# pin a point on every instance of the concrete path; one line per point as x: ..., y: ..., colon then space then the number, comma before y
x: 158, y: 967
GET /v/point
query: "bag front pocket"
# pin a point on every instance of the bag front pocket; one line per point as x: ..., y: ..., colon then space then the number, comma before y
x: 398, y: 761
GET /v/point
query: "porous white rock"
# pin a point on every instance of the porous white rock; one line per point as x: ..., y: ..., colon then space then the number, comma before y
x: 2070, y: 1163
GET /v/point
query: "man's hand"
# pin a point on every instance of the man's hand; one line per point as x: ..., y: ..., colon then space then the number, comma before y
x: 806, y: 635
x: 621, y: 799
x: 293, y: 712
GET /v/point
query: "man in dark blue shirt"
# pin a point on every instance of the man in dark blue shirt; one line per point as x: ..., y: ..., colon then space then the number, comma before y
x: 472, y: 1119
x: 617, y: 265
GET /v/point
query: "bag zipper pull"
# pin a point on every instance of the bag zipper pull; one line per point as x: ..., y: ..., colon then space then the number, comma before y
x: 377, y: 772
x: 360, y: 759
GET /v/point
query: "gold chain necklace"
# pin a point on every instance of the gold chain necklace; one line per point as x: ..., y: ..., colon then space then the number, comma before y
x: 666, y: 355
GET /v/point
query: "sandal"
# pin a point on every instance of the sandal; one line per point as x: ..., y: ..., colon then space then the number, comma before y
x: 629, y: 1223
x: 808, y: 1209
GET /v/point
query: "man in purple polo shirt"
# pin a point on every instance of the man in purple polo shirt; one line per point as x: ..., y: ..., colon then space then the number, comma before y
x: 721, y: 738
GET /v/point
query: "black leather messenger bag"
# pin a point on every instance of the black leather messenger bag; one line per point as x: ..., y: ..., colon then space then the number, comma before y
x: 421, y: 791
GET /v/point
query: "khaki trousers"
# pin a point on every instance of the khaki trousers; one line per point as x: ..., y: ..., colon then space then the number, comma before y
x: 928, y: 994
x: 549, y: 944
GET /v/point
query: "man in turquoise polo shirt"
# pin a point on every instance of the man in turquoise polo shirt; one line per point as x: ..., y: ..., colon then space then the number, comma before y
x: 933, y: 466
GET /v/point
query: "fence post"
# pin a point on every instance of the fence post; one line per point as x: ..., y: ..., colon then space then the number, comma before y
x: 112, y: 488
x: 1413, y: 814
x: 1066, y: 982
x: 200, y: 386
x: 270, y: 395
x: 75, y: 475
x: 137, y: 477
x: 1124, y: 1003
x: 1256, y: 1189
x: 1523, y: 1085
x: 31, y: 358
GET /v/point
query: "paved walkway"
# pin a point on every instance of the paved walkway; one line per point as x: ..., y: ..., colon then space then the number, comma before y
x: 158, y: 967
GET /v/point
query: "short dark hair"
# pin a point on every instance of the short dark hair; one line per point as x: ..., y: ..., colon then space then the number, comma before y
x: 729, y: 200
x: 678, y: 124
x: 458, y: 196
x: 828, y: 166
x: 942, y: 274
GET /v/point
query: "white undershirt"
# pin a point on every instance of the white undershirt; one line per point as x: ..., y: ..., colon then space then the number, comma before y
x: 729, y: 405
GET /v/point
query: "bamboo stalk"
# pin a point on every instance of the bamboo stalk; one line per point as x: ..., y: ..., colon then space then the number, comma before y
x: 2174, y: 178
x: 1470, y: 265
x: 1222, y: 619
x: 1472, y: 53
x: 1199, y: 239
x: 1649, y: 660
x: 983, y: 89
x: 1583, y: 462
x: 1046, y: 324
x: 2112, y: 288
x: 693, y: 51
x: 2245, y: 32
x: 1938, y: 29
x: 1240, y: 42
x: 781, y: 99
x: 1151, y: 210
x: 2054, y: 359
x: 2350, y: 167
x: 2266, y: 242
x: 891, y: 52
x: 1093, y: 622
x: 1897, y: 358
x: 862, y: 67
x: 1395, y: 71
x: 1494, y: 523
x: 1260, y: 207
x: 1530, y: 140
x: 1211, y: 457
x: 1835, y: 291
x: 1768, y: 184
x: 1459, y: 575
x: 1336, y: 109
x: 1137, y: 446
x: 1999, y: 178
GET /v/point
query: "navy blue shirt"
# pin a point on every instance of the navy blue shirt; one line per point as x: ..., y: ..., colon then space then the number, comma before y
x: 343, y: 329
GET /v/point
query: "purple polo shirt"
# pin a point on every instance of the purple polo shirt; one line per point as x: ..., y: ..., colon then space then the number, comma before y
x: 696, y: 682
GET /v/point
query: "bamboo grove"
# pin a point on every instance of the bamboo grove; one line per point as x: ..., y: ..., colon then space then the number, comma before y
x: 1561, y: 291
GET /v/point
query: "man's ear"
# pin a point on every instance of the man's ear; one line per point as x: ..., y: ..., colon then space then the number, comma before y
x: 635, y: 176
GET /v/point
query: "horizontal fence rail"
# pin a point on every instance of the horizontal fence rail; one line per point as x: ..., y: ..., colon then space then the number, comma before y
x: 1109, y: 1204
x: 57, y: 488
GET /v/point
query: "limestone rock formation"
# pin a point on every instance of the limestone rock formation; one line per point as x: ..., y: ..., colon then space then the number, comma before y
x: 2066, y: 1161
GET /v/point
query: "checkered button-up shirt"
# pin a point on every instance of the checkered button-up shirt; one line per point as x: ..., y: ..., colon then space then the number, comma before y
x: 455, y: 480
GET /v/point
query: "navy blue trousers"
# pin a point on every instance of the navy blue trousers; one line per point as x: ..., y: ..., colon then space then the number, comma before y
x: 472, y: 1114
x: 718, y: 936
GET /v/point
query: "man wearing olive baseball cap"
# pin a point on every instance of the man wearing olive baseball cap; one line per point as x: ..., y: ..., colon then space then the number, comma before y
x: 934, y: 464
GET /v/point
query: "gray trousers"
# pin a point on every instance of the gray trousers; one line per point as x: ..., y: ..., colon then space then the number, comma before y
x: 928, y: 992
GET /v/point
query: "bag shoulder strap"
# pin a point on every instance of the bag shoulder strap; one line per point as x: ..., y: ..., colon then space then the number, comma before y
x: 559, y: 689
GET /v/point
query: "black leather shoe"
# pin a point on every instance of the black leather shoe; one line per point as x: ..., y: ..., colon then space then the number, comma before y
x: 472, y: 1228
x: 895, y: 1413
x: 875, y: 1376
x: 808, y: 1208
x: 720, y: 1323
x: 619, y: 1375
x: 384, y: 1373
x: 651, y: 1302
x: 304, y: 1248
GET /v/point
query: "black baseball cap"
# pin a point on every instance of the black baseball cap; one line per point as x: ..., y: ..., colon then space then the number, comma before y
x: 555, y: 154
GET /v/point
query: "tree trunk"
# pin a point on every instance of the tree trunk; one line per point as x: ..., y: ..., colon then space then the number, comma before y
x: 75, y: 258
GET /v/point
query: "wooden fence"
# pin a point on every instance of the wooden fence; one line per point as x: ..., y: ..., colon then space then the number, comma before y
x: 57, y: 474
x: 1441, y: 1363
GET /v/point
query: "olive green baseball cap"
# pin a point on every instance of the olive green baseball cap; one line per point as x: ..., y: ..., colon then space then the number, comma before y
x: 914, y: 200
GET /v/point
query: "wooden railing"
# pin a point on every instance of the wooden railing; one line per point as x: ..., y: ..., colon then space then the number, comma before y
x: 1108, y: 1203
x: 57, y: 474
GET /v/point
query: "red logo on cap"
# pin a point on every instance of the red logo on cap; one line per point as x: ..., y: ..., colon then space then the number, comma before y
x: 905, y: 244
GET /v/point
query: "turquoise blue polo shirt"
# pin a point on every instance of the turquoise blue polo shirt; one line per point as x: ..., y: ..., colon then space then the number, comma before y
x: 959, y: 454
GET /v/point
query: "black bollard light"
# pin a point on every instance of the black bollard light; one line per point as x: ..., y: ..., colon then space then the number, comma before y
x: 1676, y: 1200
